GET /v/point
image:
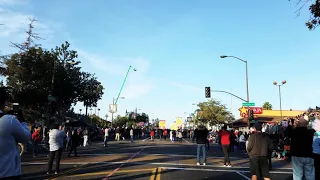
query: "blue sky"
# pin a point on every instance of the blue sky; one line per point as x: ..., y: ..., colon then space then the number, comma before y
x: 175, y: 46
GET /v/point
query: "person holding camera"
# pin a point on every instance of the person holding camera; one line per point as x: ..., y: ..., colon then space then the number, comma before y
x: 13, y: 130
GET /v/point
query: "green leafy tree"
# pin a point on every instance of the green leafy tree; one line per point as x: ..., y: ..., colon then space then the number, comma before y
x: 138, y: 117
x: 314, y: 8
x: 120, y: 121
x: 92, y: 91
x: 267, y: 106
x: 34, y: 73
x: 213, y: 112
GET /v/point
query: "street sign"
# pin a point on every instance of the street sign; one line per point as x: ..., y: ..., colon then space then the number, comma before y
x: 113, y: 108
x: 248, y: 104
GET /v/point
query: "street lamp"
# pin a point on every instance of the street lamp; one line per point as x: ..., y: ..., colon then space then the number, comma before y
x: 247, y: 77
x: 124, y: 81
x: 279, y: 85
x: 98, y: 111
x: 80, y: 111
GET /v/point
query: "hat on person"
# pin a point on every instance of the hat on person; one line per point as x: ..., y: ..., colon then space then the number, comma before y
x: 258, y: 126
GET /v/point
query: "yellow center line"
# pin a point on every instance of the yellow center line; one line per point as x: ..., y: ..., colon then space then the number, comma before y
x: 158, y: 177
x: 106, y: 172
x: 154, y: 174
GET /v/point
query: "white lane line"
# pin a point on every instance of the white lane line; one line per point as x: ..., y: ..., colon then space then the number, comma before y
x: 220, y: 170
x: 244, y: 176
x: 186, y: 141
x: 127, y: 161
x: 146, y: 139
x: 143, y: 163
x: 178, y: 155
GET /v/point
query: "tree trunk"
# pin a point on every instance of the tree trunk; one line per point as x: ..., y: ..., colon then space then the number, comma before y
x: 86, y: 110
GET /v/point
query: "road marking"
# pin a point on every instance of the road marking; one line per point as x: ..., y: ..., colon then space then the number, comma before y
x: 68, y: 172
x: 244, y: 176
x: 154, y: 173
x: 220, y: 170
x: 159, y: 174
x: 186, y: 141
x: 146, y: 139
x: 110, y: 174
x: 177, y: 155
x: 143, y: 163
x: 103, y: 172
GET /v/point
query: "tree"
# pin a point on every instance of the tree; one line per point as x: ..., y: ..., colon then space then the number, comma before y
x: 314, y: 9
x: 34, y: 73
x: 138, y: 117
x: 213, y: 112
x: 92, y: 91
x: 120, y: 121
x: 267, y: 106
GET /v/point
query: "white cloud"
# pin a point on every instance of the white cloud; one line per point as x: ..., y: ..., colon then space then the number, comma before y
x: 12, y: 2
x: 15, y: 23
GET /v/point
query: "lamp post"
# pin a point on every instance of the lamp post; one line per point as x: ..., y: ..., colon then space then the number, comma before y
x: 124, y: 81
x: 98, y: 111
x: 247, y: 77
x: 279, y: 85
x: 80, y: 111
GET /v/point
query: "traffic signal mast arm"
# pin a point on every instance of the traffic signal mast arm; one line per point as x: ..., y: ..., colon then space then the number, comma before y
x: 230, y: 94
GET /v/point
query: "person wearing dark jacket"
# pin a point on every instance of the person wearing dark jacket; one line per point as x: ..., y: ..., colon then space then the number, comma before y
x: 301, y: 150
x: 201, y: 134
x: 258, y: 146
x: 74, y: 143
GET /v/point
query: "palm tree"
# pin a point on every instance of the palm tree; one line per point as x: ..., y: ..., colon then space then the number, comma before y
x: 267, y: 106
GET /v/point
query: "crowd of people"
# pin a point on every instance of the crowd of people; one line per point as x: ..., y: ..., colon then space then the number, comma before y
x: 292, y: 140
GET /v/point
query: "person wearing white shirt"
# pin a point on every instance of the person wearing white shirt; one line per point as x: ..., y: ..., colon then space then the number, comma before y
x: 131, y: 135
x: 56, y: 137
x: 13, y: 130
x: 242, y: 142
x: 106, y: 136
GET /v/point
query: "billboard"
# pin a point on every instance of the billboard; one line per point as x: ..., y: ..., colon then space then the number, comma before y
x: 162, y: 124
x: 179, y: 121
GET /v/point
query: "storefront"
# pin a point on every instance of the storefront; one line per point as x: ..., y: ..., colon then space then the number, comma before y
x: 266, y: 116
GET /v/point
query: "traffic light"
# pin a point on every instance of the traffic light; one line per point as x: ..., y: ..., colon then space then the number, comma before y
x: 207, y: 92
x: 250, y: 114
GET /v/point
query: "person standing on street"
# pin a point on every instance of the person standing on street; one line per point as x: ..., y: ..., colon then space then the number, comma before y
x: 224, y: 135
x: 85, y: 137
x: 131, y: 135
x: 13, y: 130
x: 75, y: 138
x: 316, y: 147
x: 301, y: 150
x: 258, y: 146
x: 106, y: 136
x: 56, y: 137
x: 201, y: 134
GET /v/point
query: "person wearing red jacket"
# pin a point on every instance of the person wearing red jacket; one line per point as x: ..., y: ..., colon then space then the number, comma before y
x: 36, y: 138
x: 152, y: 135
x: 224, y: 135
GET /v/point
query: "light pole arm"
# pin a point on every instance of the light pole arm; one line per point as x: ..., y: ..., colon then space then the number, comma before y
x: 238, y: 59
x: 124, y: 81
x: 230, y: 94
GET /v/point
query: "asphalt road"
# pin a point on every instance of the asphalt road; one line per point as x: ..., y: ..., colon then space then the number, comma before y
x: 147, y: 160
